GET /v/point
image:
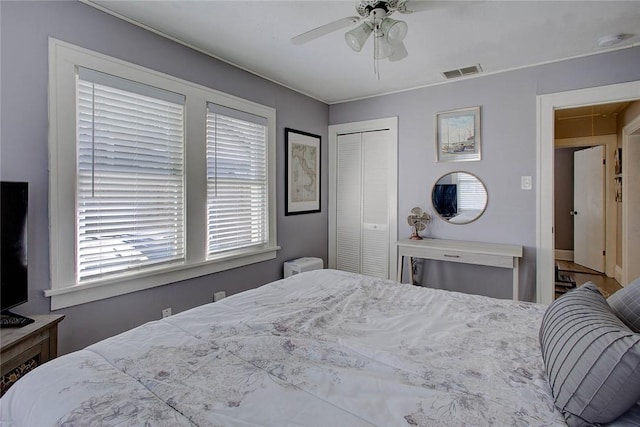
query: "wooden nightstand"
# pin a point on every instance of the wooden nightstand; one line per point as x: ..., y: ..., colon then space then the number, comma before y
x: 24, y: 349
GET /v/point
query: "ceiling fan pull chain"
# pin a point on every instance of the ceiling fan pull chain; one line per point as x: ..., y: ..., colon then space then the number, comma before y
x: 376, y: 61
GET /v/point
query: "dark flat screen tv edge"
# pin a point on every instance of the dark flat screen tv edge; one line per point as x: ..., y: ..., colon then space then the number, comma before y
x: 445, y: 199
x: 14, y: 287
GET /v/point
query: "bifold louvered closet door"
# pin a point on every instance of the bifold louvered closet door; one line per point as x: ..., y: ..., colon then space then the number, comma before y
x: 362, y: 208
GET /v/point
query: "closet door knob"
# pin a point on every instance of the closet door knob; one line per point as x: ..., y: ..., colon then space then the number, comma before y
x: 573, y: 213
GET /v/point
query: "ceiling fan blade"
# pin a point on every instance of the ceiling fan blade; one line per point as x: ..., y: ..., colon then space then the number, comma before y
x: 324, y: 29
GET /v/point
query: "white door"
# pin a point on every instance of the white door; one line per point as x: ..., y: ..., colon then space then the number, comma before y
x: 375, y: 206
x: 588, y: 208
x: 349, y: 203
x: 362, y: 207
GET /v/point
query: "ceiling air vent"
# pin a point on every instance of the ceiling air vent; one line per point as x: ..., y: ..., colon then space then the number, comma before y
x: 461, y: 72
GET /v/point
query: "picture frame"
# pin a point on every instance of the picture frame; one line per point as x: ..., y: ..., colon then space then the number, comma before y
x: 458, y: 135
x: 618, y: 162
x: 618, y: 189
x: 302, y: 172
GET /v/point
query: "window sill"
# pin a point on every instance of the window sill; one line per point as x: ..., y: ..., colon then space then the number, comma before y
x: 81, y: 294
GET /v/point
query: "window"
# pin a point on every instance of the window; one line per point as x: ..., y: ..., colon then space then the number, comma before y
x: 153, y: 179
x: 237, y: 184
x: 130, y: 177
x: 471, y: 195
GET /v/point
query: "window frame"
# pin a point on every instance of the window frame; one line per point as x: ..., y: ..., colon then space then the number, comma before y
x: 238, y: 168
x: 64, y: 58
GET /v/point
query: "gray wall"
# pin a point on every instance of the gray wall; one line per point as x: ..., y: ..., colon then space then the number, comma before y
x: 508, y: 102
x: 25, y: 28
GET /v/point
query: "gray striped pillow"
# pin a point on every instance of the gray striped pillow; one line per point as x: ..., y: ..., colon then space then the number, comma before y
x: 626, y: 304
x: 592, y: 359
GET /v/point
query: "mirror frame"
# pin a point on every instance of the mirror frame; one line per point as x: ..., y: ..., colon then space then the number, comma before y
x: 439, y: 215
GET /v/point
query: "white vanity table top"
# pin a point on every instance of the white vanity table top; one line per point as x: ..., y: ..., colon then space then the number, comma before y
x: 465, y: 246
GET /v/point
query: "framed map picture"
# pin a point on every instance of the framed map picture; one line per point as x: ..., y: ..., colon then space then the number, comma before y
x: 302, y: 165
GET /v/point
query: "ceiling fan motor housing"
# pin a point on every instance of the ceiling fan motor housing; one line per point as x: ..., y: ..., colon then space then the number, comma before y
x: 365, y: 7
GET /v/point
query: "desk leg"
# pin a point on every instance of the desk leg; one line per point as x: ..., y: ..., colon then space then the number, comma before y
x: 516, y: 278
x: 411, y: 271
x: 400, y: 268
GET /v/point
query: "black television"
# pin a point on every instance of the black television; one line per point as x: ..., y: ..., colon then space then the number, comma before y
x: 445, y: 199
x: 14, y: 288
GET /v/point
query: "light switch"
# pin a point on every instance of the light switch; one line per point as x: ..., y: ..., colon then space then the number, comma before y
x: 525, y: 182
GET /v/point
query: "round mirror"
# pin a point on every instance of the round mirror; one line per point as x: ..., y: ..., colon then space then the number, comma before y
x: 459, y: 197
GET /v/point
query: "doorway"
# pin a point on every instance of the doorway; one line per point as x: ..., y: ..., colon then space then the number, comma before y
x: 586, y: 202
x: 363, y: 197
x: 547, y: 105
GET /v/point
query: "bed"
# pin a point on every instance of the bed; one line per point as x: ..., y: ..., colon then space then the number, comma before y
x: 322, y: 348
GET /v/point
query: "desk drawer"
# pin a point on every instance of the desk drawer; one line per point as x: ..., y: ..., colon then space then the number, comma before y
x: 461, y: 256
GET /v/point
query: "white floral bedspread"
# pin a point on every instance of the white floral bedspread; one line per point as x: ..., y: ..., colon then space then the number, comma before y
x: 323, y: 348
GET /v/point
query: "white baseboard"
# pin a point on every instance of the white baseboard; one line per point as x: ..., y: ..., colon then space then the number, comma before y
x: 564, y: 255
x: 618, y: 275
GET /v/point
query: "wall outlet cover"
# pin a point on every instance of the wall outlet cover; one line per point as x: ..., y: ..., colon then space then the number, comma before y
x: 166, y: 312
x: 525, y: 182
x: 217, y: 296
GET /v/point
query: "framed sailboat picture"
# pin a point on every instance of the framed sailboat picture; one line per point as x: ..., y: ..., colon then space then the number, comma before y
x: 458, y: 135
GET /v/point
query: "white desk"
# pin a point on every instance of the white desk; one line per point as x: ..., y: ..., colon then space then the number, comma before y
x: 479, y: 253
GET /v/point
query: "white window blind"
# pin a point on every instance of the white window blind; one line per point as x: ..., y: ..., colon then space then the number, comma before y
x: 130, y: 177
x: 237, y: 180
x: 471, y: 193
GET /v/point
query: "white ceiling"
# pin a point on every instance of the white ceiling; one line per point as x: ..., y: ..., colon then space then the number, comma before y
x: 498, y: 35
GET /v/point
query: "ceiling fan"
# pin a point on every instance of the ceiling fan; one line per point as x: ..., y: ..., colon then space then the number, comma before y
x: 374, y: 18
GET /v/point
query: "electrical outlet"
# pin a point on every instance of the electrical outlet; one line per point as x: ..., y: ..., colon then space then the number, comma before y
x: 166, y: 312
x: 217, y: 296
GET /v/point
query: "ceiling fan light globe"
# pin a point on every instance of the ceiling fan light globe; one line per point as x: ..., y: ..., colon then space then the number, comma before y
x: 353, y: 42
x: 394, y: 31
x: 399, y: 52
x: 357, y: 37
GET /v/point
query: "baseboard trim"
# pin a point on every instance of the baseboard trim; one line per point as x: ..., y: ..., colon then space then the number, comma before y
x: 564, y: 255
x: 618, y: 275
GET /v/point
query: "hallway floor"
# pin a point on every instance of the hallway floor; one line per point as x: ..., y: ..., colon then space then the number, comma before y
x: 567, y: 270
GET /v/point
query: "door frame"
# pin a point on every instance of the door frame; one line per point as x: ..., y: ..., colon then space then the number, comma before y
x: 546, y: 106
x: 390, y: 123
x: 629, y: 221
